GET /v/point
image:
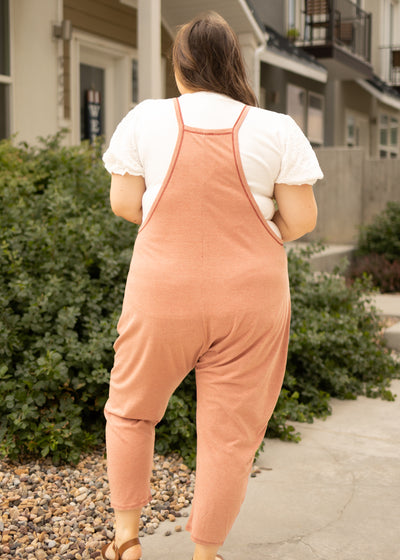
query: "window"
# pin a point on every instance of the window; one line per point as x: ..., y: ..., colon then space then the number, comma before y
x: 315, y: 118
x: 294, y: 19
x: 296, y: 105
x: 307, y: 109
x: 5, y: 75
x: 351, y: 139
x: 92, y: 93
x: 388, y: 137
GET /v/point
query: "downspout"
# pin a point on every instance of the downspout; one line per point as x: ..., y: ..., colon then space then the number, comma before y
x: 257, y: 66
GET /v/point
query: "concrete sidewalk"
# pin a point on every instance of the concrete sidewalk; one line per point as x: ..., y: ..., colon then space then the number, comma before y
x: 333, y: 496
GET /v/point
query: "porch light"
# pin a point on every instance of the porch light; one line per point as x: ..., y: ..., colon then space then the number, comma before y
x: 63, y: 30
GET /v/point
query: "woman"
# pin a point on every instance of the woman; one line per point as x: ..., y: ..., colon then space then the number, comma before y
x: 208, y: 285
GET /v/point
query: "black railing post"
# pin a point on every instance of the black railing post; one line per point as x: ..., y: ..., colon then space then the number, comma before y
x: 369, y: 38
x: 331, y: 27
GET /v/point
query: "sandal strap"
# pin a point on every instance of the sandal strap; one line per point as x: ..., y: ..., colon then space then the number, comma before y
x: 128, y: 544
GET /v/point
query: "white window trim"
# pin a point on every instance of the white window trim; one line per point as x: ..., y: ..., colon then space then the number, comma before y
x: 9, y: 79
x: 388, y: 148
x: 116, y: 60
x: 319, y: 141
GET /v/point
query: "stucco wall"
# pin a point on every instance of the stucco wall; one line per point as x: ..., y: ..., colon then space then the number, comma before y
x: 35, y: 68
x: 355, y: 188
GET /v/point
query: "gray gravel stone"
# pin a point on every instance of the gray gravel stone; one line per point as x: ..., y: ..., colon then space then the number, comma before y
x: 66, y: 510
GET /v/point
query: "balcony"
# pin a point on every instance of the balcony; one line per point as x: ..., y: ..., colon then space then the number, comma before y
x: 338, y: 33
x: 390, y: 65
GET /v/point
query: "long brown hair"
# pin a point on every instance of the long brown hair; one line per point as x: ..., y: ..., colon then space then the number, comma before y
x: 206, y: 57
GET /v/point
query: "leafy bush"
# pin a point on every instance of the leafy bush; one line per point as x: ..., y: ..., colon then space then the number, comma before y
x: 63, y: 260
x: 63, y: 264
x: 336, y: 346
x: 384, y: 274
x: 378, y: 251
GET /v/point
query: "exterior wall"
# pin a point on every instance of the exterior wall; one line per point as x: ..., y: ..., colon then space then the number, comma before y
x: 109, y: 19
x: 270, y: 15
x: 374, y: 8
x: 274, y: 82
x: 354, y: 190
x: 339, y: 195
x: 381, y: 184
x: 35, y: 86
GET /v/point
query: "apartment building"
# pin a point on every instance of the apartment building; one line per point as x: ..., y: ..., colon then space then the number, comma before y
x: 334, y: 65
x: 357, y: 42
x: 82, y: 64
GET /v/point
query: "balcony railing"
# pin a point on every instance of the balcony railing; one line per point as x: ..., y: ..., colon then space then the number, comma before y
x: 390, y: 65
x: 337, y: 22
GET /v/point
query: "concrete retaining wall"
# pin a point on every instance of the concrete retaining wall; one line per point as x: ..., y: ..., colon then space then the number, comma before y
x: 353, y: 191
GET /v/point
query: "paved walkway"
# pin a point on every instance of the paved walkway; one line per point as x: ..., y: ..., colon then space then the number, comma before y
x: 333, y: 496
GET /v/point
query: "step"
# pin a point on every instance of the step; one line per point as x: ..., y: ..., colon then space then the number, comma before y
x: 389, y: 306
x: 328, y: 259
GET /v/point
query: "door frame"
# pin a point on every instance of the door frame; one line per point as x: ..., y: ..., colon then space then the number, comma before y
x: 116, y: 61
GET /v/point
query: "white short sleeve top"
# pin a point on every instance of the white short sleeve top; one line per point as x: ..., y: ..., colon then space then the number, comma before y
x: 272, y: 147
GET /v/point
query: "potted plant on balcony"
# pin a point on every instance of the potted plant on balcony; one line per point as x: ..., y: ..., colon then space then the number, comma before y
x: 293, y: 34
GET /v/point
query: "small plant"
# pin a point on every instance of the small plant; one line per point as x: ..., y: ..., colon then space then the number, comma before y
x: 293, y: 34
x: 378, y: 251
x: 336, y: 347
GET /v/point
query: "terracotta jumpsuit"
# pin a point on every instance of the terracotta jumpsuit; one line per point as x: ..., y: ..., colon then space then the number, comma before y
x: 207, y: 288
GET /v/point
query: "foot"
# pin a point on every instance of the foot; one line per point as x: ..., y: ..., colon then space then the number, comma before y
x: 131, y: 553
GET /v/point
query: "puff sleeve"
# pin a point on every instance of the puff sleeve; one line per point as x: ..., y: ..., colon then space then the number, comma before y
x: 122, y: 154
x: 299, y: 164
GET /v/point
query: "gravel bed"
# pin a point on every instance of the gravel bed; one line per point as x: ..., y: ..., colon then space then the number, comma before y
x: 64, y: 512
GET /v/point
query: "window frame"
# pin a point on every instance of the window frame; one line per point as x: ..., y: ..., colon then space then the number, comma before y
x: 305, y: 126
x: 316, y: 141
x: 7, y: 79
x: 116, y: 60
x: 388, y: 150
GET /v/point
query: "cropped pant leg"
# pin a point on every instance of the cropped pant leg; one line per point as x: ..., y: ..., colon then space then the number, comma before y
x: 238, y: 384
x: 152, y: 357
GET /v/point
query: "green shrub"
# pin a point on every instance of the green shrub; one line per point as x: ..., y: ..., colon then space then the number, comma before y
x: 336, y: 346
x: 378, y: 250
x: 382, y: 236
x: 63, y: 261
x: 385, y: 275
x: 64, y: 258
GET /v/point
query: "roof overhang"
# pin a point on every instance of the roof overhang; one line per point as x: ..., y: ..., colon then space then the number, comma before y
x: 380, y: 96
x: 236, y: 12
x: 293, y: 64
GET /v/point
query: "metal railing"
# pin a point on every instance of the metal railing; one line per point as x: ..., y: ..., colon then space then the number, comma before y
x: 390, y: 64
x: 337, y: 22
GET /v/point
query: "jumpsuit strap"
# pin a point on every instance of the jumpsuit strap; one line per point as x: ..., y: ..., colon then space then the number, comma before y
x: 241, y: 117
x: 178, y: 113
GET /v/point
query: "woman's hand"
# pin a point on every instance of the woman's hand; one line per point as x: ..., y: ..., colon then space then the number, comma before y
x: 297, y: 210
x: 126, y: 196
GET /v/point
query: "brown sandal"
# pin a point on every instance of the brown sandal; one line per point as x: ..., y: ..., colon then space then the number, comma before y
x: 217, y: 557
x: 119, y: 551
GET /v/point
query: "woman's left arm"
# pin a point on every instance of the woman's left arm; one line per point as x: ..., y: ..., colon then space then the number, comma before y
x: 126, y: 196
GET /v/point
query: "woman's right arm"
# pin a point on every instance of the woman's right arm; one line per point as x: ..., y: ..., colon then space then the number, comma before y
x: 126, y: 196
x: 297, y: 210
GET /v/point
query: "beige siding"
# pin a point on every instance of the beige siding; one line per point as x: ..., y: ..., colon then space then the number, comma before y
x: 107, y: 18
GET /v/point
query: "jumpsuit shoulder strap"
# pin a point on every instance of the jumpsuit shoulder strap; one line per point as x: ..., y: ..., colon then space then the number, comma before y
x: 241, y: 117
x: 178, y: 113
